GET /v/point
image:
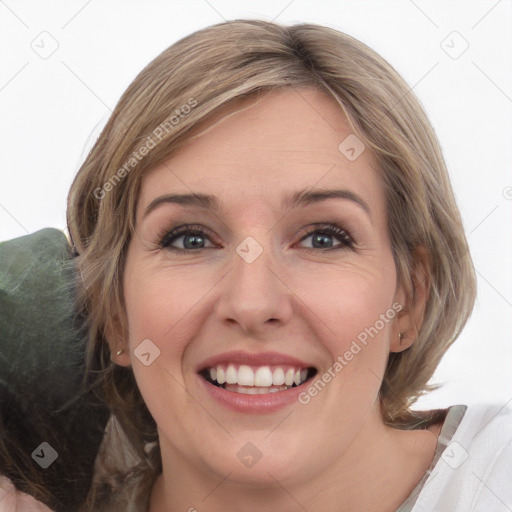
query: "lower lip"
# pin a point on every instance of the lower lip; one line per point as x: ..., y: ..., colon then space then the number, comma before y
x: 267, y: 402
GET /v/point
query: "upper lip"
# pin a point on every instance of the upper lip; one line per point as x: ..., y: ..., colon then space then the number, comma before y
x: 252, y: 359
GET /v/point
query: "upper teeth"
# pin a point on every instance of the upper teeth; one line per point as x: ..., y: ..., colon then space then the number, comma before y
x: 260, y: 376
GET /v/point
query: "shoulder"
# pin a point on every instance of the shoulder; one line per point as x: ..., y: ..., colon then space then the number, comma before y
x: 12, y: 499
x: 474, y: 471
x: 122, y: 480
x: 485, y: 433
x: 490, y: 415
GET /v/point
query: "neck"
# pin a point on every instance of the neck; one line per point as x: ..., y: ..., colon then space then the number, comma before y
x: 377, y: 471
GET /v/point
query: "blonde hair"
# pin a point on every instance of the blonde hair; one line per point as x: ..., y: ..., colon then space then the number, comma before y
x: 205, y: 71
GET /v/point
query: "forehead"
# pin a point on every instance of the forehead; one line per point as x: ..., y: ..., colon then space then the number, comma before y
x: 261, y: 149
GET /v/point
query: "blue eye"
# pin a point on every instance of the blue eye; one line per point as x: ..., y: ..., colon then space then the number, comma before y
x: 194, y: 238
x: 323, y: 232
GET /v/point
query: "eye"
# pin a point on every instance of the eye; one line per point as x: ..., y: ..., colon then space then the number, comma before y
x: 322, y: 235
x: 193, y: 238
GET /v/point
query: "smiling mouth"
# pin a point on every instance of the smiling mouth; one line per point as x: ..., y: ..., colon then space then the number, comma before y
x: 259, y: 380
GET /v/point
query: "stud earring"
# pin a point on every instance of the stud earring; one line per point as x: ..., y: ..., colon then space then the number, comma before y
x: 119, y: 352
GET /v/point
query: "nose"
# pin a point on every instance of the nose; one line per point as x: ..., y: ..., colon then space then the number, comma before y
x: 254, y: 295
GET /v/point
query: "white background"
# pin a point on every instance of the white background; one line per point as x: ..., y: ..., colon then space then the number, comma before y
x: 51, y: 111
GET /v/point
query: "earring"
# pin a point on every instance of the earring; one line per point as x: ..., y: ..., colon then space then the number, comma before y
x: 401, y: 335
x: 119, y: 352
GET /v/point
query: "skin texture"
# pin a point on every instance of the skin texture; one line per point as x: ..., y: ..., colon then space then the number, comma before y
x: 335, y: 453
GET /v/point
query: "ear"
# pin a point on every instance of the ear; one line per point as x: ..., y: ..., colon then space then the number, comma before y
x: 410, y: 319
x: 117, y: 338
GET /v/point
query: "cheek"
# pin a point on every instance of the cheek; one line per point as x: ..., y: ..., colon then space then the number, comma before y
x: 159, y: 305
x: 158, y: 309
x: 357, y: 319
x: 355, y: 309
x: 350, y: 301
x: 153, y: 299
x: 146, y: 307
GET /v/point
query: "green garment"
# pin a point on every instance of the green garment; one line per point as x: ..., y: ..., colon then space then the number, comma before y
x: 42, y: 355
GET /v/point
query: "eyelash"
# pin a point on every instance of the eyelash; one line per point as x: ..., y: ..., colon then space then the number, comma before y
x: 166, y: 237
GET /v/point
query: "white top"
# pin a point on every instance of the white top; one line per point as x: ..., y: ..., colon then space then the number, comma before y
x: 471, y: 469
x: 472, y: 466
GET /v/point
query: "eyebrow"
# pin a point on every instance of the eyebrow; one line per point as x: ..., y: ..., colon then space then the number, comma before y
x: 298, y: 199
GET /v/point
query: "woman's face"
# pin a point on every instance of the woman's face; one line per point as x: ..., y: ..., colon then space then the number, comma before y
x: 262, y: 289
